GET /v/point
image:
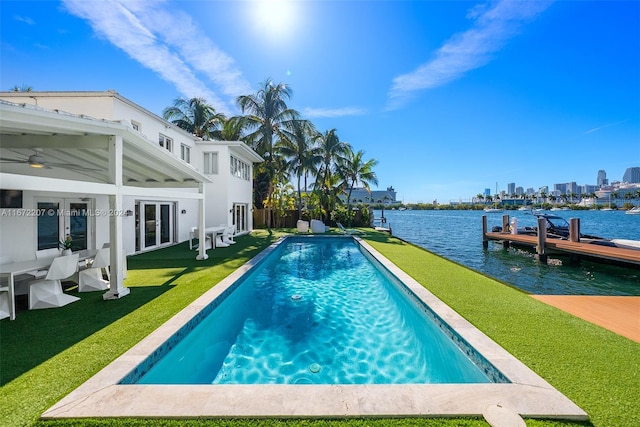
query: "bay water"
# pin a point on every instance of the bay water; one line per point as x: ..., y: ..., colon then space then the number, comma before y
x: 457, y: 235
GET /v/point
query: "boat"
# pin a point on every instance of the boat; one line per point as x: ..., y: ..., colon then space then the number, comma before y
x: 495, y: 208
x: 633, y: 211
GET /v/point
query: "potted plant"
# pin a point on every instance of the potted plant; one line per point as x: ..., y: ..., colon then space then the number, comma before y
x: 66, y: 245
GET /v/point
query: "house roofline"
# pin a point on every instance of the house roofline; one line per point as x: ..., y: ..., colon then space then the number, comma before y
x: 111, y: 93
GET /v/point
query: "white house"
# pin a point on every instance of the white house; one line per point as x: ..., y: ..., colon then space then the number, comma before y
x: 102, y: 169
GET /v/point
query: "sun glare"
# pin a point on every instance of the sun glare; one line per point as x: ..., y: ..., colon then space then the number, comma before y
x: 274, y: 18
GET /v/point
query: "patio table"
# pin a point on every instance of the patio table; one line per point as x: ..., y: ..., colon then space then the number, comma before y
x: 214, y: 231
x: 13, y: 269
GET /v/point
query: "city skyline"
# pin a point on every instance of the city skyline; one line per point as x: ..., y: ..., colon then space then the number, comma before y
x: 610, y: 182
x: 448, y: 97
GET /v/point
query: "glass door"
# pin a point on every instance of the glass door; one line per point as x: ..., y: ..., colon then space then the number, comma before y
x: 78, y: 223
x: 58, y: 218
x: 150, y: 225
x: 49, y: 226
x: 157, y: 219
x: 240, y: 217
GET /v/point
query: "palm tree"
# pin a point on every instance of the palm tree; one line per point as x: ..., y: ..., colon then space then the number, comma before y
x: 23, y: 88
x: 333, y: 152
x: 232, y: 129
x: 195, y: 116
x: 355, y: 170
x: 543, y: 196
x: 267, y: 112
x: 304, y: 157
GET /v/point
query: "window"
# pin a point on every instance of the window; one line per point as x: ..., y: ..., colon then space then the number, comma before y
x: 166, y: 142
x: 135, y: 125
x: 211, y: 163
x: 240, y: 169
x: 185, y: 153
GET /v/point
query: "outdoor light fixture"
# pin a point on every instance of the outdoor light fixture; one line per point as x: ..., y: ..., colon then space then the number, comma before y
x: 183, y: 211
x: 36, y: 161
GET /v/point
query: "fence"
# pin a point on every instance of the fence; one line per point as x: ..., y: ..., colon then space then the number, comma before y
x: 289, y: 219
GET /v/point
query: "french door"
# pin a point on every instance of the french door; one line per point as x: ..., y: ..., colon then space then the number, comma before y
x: 155, y: 224
x: 240, y: 211
x: 58, y: 218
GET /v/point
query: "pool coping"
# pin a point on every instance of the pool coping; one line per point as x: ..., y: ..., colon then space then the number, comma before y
x: 528, y: 394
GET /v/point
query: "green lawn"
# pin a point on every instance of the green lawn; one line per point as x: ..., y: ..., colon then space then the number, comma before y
x: 45, y: 354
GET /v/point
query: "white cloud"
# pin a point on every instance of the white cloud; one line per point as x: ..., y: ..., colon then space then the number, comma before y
x: 24, y: 19
x: 168, y: 43
x: 604, y: 126
x: 494, y: 24
x: 332, y: 112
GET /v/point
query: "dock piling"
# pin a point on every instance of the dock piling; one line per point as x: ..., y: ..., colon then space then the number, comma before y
x: 574, y: 229
x: 542, y: 240
x: 485, y: 240
x: 505, y: 229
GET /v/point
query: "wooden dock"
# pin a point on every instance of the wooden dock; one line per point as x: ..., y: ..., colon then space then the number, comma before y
x: 576, y: 250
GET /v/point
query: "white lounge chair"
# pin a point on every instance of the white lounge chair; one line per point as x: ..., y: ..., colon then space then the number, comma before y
x: 4, y: 302
x: 227, y: 236
x: 47, y: 253
x: 302, y: 226
x: 4, y: 292
x: 48, y: 293
x: 317, y: 226
x: 43, y: 253
x: 220, y: 243
x: 91, y: 279
x: 349, y: 231
x: 124, y: 262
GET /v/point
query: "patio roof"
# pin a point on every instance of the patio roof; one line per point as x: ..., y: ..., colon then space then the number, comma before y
x: 79, y: 145
x: 80, y: 154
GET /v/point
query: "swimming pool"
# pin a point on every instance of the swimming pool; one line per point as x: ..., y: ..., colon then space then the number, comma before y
x: 103, y: 395
x: 316, y: 311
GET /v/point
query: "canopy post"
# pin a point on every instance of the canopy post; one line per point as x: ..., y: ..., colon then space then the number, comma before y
x: 202, y: 247
x: 116, y: 244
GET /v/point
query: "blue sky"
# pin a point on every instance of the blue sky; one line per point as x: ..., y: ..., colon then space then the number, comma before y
x: 451, y: 97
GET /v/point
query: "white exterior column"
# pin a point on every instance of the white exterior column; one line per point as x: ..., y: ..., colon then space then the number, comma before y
x: 202, y: 247
x: 116, y: 243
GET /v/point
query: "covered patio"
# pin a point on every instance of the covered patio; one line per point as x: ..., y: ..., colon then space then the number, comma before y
x: 52, y: 151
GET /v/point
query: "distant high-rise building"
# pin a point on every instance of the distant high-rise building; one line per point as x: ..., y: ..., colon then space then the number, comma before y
x: 602, y: 178
x: 519, y: 191
x: 632, y: 175
x: 587, y: 189
x: 560, y: 188
x: 511, y: 188
x: 487, y: 191
x: 572, y: 187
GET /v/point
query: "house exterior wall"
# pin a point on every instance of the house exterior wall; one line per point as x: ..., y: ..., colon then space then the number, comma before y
x: 226, y: 190
x: 219, y: 195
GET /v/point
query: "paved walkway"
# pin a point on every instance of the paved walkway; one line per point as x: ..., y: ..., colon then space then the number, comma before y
x: 620, y: 314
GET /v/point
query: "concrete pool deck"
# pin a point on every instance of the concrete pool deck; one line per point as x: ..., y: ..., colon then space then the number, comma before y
x: 527, y: 394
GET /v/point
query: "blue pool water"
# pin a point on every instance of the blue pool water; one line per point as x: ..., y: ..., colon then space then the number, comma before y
x: 316, y: 311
